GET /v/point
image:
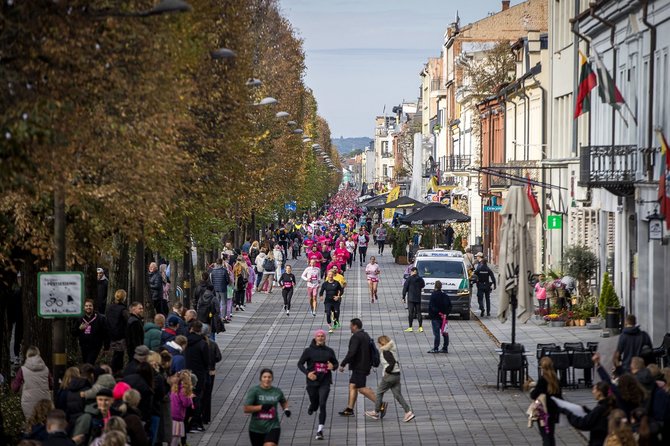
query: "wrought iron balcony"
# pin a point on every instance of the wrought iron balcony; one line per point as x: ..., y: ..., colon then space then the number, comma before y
x: 455, y: 163
x: 504, y: 175
x: 609, y: 167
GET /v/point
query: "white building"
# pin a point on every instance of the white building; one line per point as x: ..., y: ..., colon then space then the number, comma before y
x: 621, y: 162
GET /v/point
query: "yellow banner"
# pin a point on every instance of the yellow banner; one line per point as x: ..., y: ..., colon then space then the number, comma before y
x: 392, y: 196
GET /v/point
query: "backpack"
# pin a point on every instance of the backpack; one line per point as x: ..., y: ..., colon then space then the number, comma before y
x: 268, y: 265
x: 375, y: 359
x: 204, y: 311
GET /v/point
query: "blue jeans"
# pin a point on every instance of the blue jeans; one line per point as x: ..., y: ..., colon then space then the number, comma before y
x: 437, y: 325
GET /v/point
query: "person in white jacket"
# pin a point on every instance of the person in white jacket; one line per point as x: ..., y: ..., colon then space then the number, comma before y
x: 312, y: 275
x: 260, y: 258
x: 278, y: 254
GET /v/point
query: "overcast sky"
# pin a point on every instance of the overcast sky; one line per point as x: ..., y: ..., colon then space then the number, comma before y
x: 364, y: 54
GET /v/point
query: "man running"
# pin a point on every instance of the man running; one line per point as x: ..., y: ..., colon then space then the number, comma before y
x: 317, y: 363
x: 360, y: 363
x: 331, y: 292
x: 312, y: 275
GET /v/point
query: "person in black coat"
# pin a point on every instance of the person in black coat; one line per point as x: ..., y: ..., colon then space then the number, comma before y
x: 92, y: 333
x: 317, y: 363
x: 484, y: 278
x: 439, y: 308
x: 548, y: 385
x: 595, y: 420
x: 196, y: 356
x: 411, y: 291
x: 135, y: 328
x: 117, y: 324
x: 103, y: 288
x: 359, y: 361
x: 156, y: 289
x: 214, y: 358
x: 56, y: 428
x: 143, y: 381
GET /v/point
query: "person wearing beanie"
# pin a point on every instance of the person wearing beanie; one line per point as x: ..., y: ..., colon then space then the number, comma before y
x: 317, y: 363
x: 89, y: 425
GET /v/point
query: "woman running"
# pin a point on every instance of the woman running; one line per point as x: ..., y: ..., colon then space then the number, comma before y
x: 317, y: 363
x: 287, y: 283
x: 261, y: 402
x: 331, y: 292
x: 373, y: 272
x: 351, y: 249
x: 312, y: 275
x: 362, y: 245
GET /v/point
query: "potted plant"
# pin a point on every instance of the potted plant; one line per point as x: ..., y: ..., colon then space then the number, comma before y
x: 608, y: 304
x: 401, y: 238
x: 556, y: 319
x: 582, y: 264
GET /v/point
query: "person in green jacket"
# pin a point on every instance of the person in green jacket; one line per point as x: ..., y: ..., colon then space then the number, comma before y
x: 153, y: 331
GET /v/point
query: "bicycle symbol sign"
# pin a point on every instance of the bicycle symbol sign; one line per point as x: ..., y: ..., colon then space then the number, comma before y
x: 60, y: 294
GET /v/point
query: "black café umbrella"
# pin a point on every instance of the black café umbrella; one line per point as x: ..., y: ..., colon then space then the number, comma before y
x: 374, y: 202
x: 404, y: 203
x: 433, y: 214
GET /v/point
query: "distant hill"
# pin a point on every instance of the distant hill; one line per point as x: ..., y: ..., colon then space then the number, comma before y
x: 346, y: 145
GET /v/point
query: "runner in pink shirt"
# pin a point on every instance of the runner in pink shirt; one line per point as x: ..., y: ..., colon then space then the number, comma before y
x: 312, y: 275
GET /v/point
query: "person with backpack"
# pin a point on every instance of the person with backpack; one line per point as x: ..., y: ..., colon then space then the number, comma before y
x: 287, y: 283
x: 269, y: 269
x: 361, y: 357
x: 241, y: 277
x: 390, y: 381
x: 317, y: 363
x: 208, y: 308
x: 484, y: 280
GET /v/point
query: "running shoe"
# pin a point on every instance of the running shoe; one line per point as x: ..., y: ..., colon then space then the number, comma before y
x: 420, y: 329
x: 347, y: 412
x: 313, y: 313
x: 409, y: 330
x: 319, y: 435
x: 409, y: 416
x: 433, y: 351
x: 242, y: 308
x: 336, y: 325
x: 372, y: 414
x: 286, y: 312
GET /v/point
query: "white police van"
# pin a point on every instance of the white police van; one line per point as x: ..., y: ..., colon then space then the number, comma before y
x: 447, y: 267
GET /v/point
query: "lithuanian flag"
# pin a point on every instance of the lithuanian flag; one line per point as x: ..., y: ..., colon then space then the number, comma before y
x: 587, y: 82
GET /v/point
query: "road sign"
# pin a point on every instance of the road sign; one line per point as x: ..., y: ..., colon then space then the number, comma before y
x: 495, y: 208
x: 291, y: 206
x: 554, y: 222
x: 60, y: 294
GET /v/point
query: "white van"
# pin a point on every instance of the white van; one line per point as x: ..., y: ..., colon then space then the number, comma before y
x: 447, y: 267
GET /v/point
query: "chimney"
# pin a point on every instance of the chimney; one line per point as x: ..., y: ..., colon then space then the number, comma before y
x: 505, y: 5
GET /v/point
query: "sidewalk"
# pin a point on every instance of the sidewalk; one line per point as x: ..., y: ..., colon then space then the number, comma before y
x: 453, y: 396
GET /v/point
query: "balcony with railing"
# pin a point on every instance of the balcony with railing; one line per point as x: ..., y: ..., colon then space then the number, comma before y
x: 437, y: 86
x: 455, y: 163
x: 609, y: 167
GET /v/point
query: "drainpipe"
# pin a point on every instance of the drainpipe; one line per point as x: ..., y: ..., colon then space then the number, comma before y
x: 612, y: 28
x: 650, y: 95
x: 504, y: 111
x: 526, y: 119
x: 544, y: 176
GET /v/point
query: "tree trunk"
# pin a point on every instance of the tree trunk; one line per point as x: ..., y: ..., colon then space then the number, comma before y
x: 36, y: 331
x: 121, y: 265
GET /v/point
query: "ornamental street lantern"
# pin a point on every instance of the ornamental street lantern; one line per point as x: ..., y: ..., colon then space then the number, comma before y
x: 655, y: 226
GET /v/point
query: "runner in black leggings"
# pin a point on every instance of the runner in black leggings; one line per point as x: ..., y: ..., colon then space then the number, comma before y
x: 317, y: 363
x: 287, y: 283
x: 363, y: 239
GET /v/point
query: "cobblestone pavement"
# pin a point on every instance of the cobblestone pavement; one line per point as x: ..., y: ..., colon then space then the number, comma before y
x: 453, y: 396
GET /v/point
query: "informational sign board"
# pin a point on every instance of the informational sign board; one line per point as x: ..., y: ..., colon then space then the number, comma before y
x: 291, y: 206
x: 496, y: 208
x: 60, y: 294
x: 554, y: 222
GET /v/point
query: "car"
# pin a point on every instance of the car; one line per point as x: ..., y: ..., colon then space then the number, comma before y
x: 448, y: 267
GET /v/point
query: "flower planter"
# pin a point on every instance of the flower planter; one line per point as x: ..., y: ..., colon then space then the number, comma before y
x: 401, y: 260
x: 557, y: 323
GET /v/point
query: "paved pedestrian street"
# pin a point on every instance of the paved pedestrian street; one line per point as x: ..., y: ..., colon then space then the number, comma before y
x: 453, y: 396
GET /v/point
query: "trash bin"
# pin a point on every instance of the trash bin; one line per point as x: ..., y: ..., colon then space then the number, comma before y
x: 613, y: 319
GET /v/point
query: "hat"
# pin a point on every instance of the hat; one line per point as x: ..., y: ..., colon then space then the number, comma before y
x: 172, y: 321
x: 105, y: 392
x: 479, y: 254
x: 141, y: 352
x: 100, y: 271
x: 320, y: 331
x: 119, y: 390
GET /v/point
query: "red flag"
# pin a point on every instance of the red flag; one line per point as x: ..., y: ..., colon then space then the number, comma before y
x: 587, y: 82
x: 663, y: 186
x: 531, y: 197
